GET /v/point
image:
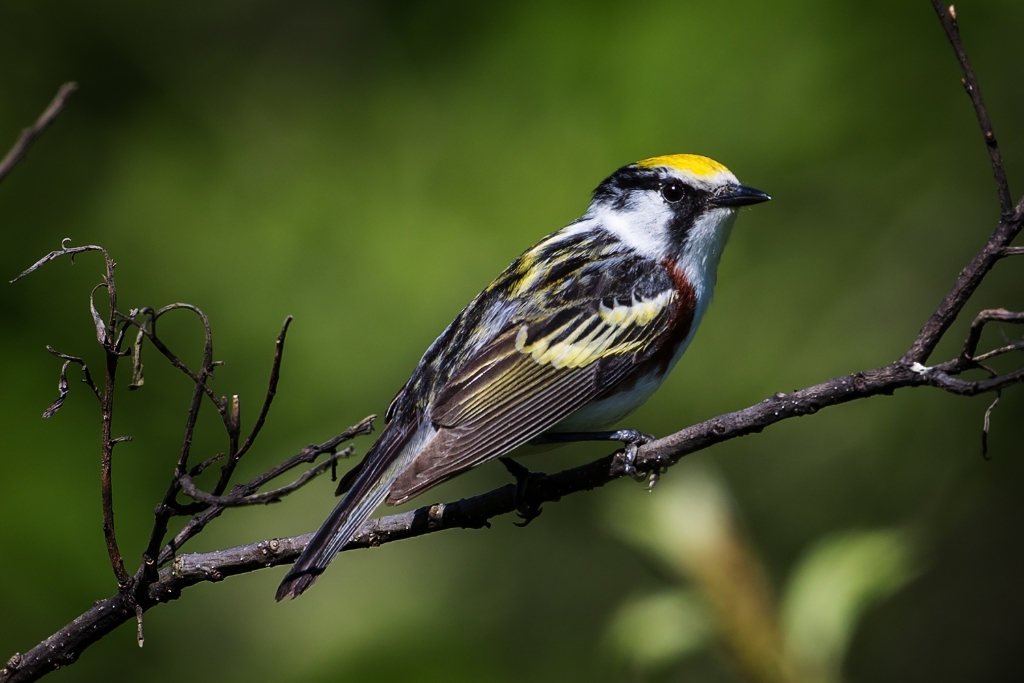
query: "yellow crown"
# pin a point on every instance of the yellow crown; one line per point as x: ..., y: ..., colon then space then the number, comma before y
x: 701, y: 167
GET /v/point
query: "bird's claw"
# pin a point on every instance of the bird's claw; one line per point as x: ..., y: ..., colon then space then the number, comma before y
x: 633, y: 439
x: 523, y: 475
x: 655, y: 476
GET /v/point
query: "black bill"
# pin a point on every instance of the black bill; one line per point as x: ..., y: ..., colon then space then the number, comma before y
x: 739, y: 195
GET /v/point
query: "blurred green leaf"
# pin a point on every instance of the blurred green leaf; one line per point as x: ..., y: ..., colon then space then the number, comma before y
x: 654, y: 630
x: 835, y: 583
x: 688, y: 513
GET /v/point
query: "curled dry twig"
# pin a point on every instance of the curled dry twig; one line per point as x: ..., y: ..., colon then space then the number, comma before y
x: 155, y: 583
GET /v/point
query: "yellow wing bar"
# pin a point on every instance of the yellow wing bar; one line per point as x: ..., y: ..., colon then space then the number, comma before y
x: 581, y: 342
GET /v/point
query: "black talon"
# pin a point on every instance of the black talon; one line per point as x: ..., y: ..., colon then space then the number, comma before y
x: 523, y: 475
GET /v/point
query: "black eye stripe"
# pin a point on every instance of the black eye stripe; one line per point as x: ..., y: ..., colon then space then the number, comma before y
x: 620, y: 189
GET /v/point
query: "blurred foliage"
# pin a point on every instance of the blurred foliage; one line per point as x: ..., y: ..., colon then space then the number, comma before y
x: 368, y: 168
x: 693, y: 529
x: 653, y: 631
x: 840, y: 578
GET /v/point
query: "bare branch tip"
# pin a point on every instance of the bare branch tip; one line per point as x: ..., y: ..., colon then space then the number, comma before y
x: 986, y: 422
x: 140, y: 635
x: 24, y: 141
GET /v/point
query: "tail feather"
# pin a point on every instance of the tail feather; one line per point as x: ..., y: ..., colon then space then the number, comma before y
x: 371, y: 485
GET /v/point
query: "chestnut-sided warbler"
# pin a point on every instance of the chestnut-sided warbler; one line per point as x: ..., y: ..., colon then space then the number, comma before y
x: 574, y: 336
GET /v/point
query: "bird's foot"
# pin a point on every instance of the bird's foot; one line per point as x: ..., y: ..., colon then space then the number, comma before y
x: 523, y: 475
x: 632, y: 440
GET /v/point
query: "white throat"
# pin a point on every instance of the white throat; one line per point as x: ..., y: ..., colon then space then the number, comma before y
x: 702, y: 251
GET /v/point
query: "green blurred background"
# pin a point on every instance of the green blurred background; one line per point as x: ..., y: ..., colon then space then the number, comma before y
x: 368, y: 168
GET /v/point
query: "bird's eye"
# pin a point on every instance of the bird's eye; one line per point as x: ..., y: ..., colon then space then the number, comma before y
x: 672, y: 192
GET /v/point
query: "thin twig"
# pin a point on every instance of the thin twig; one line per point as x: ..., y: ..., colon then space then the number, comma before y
x: 62, y: 384
x: 201, y: 467
x: 65, y: 251
x: 964, y: 388
x: 108, y: 339
x: 148, y: 330
x: 87, y: 379
x: 1017, y: 346
x: 970, y: 83
x: 986, y: 423
x: 275, y: 375
x: 189, y: 488
x: 1009, y: 224
x: 306, y: 455
x: 28, y: 136
x: 978, y: 326
x: 167, y: 508
x: 62, y: 389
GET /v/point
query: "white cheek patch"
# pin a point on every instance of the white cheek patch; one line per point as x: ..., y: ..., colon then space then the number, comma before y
x: 643, y: 225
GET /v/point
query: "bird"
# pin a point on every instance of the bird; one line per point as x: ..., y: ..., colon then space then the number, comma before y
x: 576, y: 334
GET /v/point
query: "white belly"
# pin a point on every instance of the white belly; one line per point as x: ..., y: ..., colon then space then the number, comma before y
x: 607, y: 412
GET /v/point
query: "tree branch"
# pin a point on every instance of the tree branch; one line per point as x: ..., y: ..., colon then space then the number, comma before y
x: 949, y: 24
x: 1009, y: 225
x: 65, y: 646
x: 189, y: 488
x: 28, y: 136
x: 275, y: 375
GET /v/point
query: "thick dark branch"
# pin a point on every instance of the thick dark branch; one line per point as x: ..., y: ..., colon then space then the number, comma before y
x: 966, y: 284
x: 21, y: 145
x: 952, y: 29
x: 65, y: 646
x: 1009, y: 225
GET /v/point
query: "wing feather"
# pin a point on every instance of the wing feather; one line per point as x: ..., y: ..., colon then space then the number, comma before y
x: 529, y: 379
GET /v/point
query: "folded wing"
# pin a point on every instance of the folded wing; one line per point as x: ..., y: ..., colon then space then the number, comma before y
x: 531, y: 377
